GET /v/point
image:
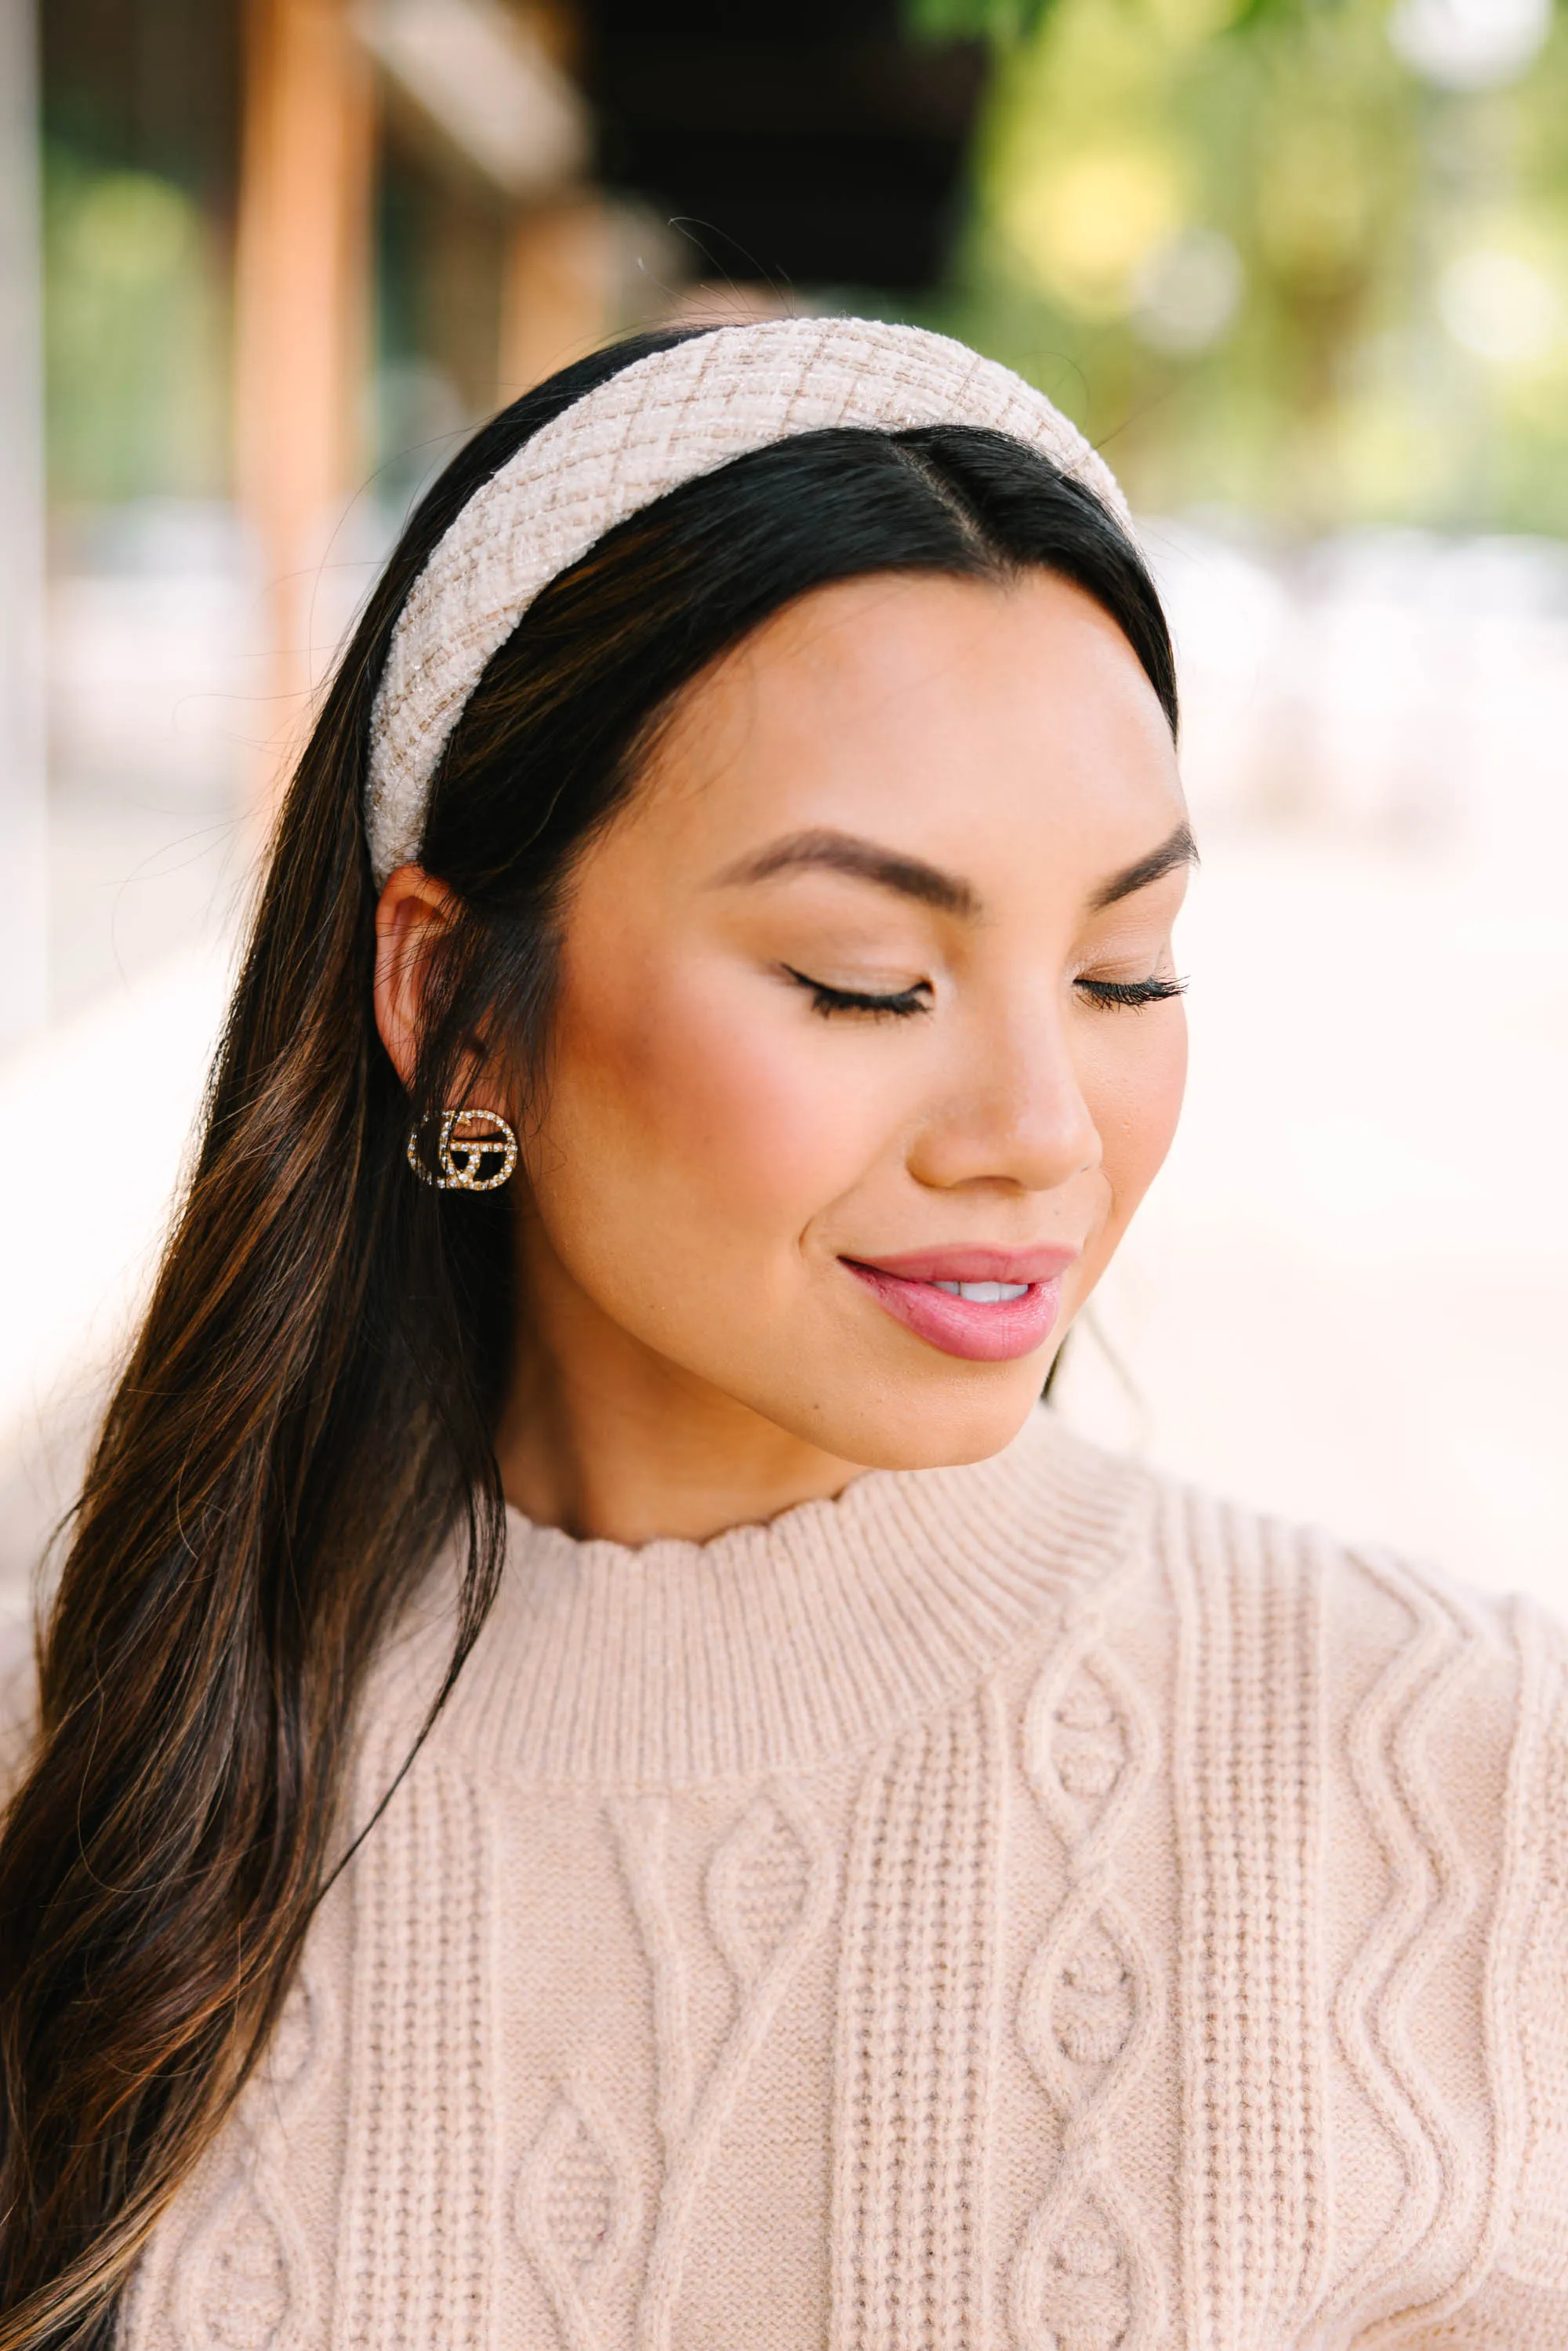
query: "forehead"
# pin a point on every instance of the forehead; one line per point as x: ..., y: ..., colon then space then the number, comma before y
x: 987, y: 727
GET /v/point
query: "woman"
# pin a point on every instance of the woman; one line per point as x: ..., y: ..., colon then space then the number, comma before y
x: 604, y: 1777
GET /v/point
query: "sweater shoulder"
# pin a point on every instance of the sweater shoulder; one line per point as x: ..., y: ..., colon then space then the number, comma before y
x: 1439, y: 1717
x: 1212, y: 1574
x: 1371, y: 1602
x: 1415, y: 1670
x: 1210, y: 1559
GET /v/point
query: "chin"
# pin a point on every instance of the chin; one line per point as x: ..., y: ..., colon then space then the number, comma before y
x: 938, y: 1425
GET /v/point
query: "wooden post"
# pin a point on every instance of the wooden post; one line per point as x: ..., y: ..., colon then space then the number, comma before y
x: 302, y: 297
x: 24, y: 835
x: 557, y: 300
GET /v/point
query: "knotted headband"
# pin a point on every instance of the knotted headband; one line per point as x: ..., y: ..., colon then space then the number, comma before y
x: 667, y: 419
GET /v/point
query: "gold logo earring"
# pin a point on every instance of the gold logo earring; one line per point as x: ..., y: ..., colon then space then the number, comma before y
x: 461, y: 1157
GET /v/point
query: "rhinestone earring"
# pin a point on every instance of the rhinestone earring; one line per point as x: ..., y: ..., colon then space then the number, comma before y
x: 461, y: 1157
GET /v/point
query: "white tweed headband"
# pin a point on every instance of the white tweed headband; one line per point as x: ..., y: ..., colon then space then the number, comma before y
x: 667, y: 419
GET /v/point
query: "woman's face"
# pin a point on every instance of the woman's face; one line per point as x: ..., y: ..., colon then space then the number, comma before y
x: 859, y: 1011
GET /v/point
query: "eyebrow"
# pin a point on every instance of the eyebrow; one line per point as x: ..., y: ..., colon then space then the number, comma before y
x: 911, y: 877
x: 1179, y: 850
x: 864, y: 860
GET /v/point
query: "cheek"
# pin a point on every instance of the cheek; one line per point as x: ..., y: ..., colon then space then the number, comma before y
x: 706, y: 1097
x: 1135, y: 1096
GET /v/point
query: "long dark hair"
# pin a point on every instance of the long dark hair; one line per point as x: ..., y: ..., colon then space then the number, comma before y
x: 306, y: 1416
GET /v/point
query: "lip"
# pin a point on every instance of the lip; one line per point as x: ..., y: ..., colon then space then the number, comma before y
x: 1000, y: 1334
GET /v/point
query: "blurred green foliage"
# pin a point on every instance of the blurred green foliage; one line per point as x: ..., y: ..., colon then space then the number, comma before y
x: 135, y: 299
x: 1268, y: 255
x: 1283, y: 255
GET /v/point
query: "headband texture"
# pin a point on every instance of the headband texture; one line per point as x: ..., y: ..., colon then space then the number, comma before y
x: 667, y: 419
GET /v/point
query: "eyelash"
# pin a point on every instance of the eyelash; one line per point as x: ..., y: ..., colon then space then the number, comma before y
x: 1111, y: 995
x: 1132, y: 995
x: 828, y: 1000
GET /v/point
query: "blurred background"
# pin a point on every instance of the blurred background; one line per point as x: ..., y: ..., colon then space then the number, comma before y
x: 1298, y: 267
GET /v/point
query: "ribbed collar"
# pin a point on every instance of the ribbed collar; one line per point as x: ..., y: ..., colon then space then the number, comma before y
x: 775, y: 1647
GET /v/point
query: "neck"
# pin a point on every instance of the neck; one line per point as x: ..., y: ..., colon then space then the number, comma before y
x: 599, y: 1436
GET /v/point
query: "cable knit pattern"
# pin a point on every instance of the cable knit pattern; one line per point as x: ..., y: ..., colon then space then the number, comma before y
x: 1090, y: 2005
x: 769, y: 1887
x: 245, y: 2277
x: 917, y: 1995
x: 1251, y: 1839
x: 242, y: 2273
x: 417, y: 2189
x: 577, y: 2213
x: 1431, y: 1894
x: 1538, y: 2248
x: 1022, y: 1907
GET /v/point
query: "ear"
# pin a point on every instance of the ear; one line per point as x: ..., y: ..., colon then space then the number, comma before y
x: 414, y: 911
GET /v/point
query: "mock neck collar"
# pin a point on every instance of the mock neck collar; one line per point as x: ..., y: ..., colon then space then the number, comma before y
x: 773, y: 1648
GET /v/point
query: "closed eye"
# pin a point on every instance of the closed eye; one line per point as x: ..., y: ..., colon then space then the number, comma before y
x: 828, y: 1000
x: 1129, y: 994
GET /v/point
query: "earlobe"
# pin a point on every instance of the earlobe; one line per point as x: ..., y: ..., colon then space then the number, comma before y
x: 413, y: 909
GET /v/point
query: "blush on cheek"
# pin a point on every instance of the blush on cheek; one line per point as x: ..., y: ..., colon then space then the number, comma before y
x: 729, y: 1120
x: 1136, y: 1103
x: 1153, y: 1128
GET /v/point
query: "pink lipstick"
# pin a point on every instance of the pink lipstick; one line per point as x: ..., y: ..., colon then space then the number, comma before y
x: 989, y: 1305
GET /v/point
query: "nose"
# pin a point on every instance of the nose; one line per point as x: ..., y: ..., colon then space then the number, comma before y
x: 1012, y: 1113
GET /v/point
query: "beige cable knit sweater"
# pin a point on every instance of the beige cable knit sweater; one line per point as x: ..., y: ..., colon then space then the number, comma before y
x: 1025, y: 1907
